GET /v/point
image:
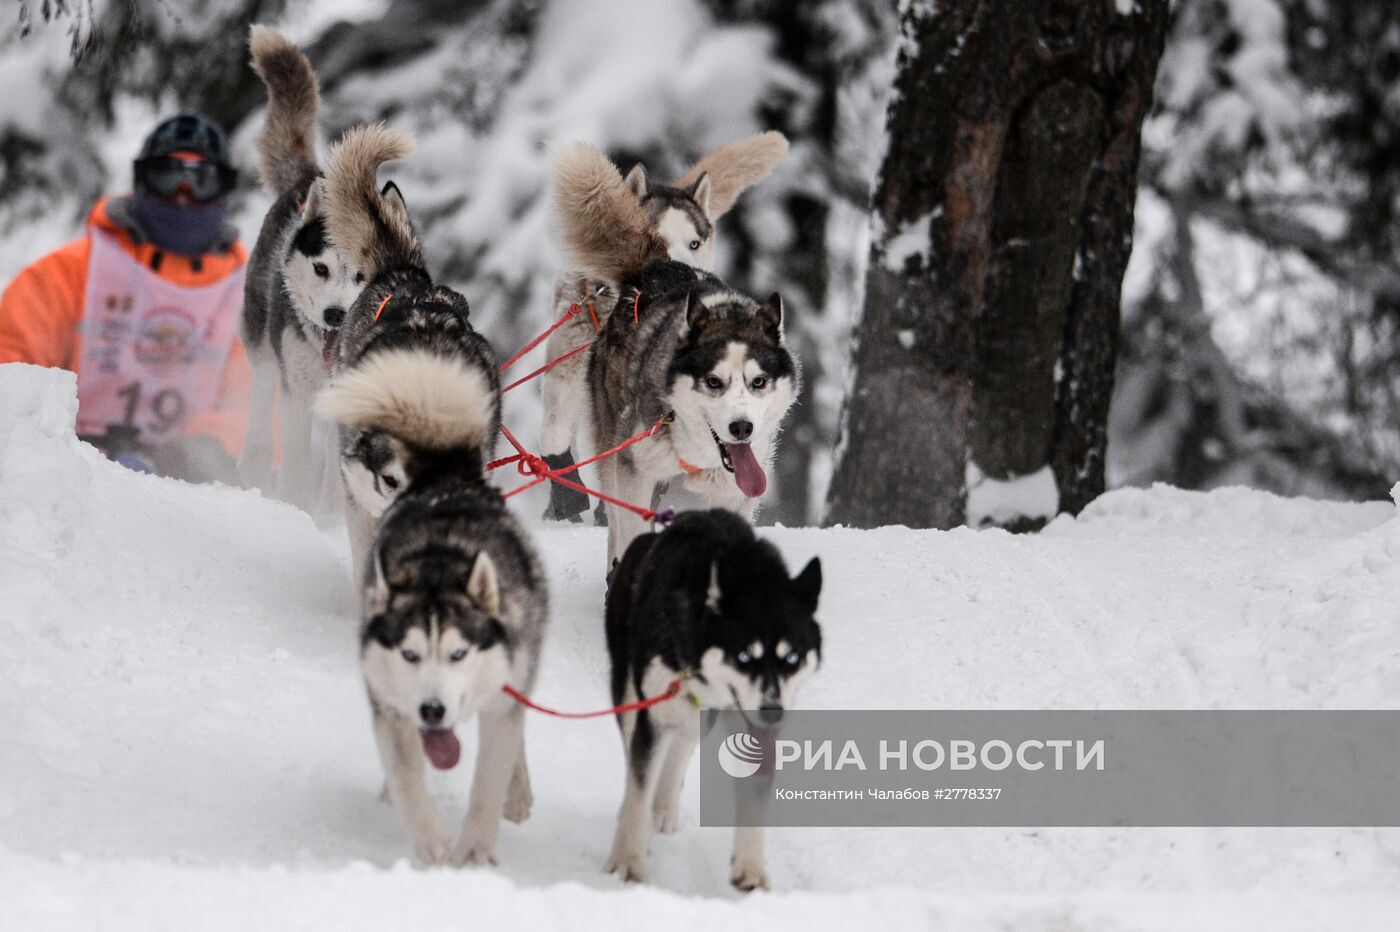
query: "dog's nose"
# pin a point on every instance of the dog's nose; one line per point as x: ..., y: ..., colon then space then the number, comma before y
x: 432, y: 712
x: 770, y: 714
x: 741, y: 430
x: 334, y: 316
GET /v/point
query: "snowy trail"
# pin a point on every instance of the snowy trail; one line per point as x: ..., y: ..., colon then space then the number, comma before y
x: 188, y: 732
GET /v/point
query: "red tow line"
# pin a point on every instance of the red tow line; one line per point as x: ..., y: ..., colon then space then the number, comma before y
x: 671, y: 692
x: 537, y: 470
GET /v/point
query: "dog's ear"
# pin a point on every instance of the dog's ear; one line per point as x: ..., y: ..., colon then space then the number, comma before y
x: 636, y: 181
x: 393, y: 199
x: 312, y: 206
x: 700, y: 193
x: 377, y: 588
x: 695, y: 314
x: 482, y: 587
x: 770, y: 317
x: 807, y: 585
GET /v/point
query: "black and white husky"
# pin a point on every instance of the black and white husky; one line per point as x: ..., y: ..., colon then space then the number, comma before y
x: 678, y: 344
x: 684, y: 216
x: 454, y: 600
x: 299, y: 287
x: 413, y: 381
x: 707, y: 601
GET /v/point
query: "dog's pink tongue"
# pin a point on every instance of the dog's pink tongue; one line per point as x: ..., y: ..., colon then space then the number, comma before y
x: 441, y: 746
x: 748, y: 475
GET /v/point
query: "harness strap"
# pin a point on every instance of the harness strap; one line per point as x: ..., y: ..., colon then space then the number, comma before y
x: 382, y: 305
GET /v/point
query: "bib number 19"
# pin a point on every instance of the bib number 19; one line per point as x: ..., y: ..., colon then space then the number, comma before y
x: 166, y: 408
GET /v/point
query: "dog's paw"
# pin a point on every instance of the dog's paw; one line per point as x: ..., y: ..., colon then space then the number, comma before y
x: 431, y: 847
x: 629, y: 868
x: 474, y: 854
x: 747, y: 878
x: 519, y: 799
x: 667, y: 820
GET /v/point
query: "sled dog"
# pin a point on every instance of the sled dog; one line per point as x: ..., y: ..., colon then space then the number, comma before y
x: 678, y: 344
x: 414, y: 384
x: 299, y: 287
x: 708, y: 602
x: 454, y: 609
x: 684, y: 216
x: 454, y: 600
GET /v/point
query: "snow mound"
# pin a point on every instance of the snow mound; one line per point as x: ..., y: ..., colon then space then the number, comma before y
x: 187, y: 733
x: 1170, y: 511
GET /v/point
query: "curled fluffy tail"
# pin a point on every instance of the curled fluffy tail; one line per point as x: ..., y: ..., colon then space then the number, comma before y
x: 735, y: 167
x: 371, y: 228
x: 428, y: 401
x: 604, y: 230
x: 287, y: 144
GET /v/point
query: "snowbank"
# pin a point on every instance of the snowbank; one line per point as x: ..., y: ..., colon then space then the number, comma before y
x: 188, y: 741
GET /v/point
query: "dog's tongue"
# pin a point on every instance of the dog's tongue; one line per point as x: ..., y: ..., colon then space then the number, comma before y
x: 748, y: 475
x: 441, y: 746
x: 328, y: 350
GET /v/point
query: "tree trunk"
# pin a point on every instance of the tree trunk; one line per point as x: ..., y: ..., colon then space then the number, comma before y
x: 1002, y: 225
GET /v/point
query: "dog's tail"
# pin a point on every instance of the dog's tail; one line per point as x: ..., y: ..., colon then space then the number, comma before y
x: 429, y: 401
x: 735, y: 167
x: 287, y: 144
x: 370, y: 227
x: 604, y: 230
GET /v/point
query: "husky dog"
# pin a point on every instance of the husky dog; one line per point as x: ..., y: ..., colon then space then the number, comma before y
x: 684, y: 216
x: 412, y: 378
x: 299, y: 287
x: 454, y: 609
x: 453, y: 595
x: 707, y: 601
x: 679, y: 344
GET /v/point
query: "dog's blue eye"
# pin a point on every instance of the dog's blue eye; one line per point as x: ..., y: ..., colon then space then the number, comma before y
x: 793, y: 659
x: 694, y: 244
x: 714, y: 382
x: 410, y: 656
x: 758, y: 383
x: 458, y: 654
x: 743, y: 657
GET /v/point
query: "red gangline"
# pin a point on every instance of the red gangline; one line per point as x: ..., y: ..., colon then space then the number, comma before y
x: 534, y: 467
x: 671, y: 692
x: 573, y: 311
x: 547, y: 366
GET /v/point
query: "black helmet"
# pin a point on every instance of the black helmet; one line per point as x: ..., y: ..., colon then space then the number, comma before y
x: 189, y: 131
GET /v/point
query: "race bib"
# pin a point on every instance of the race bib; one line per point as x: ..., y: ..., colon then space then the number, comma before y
x: 153, y: 353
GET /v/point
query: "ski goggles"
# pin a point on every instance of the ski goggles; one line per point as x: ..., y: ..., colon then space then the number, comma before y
x: 163, y: 175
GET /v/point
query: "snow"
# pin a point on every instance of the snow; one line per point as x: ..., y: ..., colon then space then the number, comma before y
x: 187, y: 734
x: 909, y: 241
x: 1003, y: 501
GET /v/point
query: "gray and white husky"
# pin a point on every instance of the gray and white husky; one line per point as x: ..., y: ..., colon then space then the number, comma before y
x: 684, y: 216
x: 299, y: 287
x: 413, y: 382
x: 707, y: 601
x: 679, y: 344
x: 454, y: 609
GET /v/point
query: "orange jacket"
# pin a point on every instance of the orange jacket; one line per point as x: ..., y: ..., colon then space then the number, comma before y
x: 41, y: 310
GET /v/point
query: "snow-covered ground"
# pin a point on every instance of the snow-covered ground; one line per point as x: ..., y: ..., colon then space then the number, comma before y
x: 186, y: 741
